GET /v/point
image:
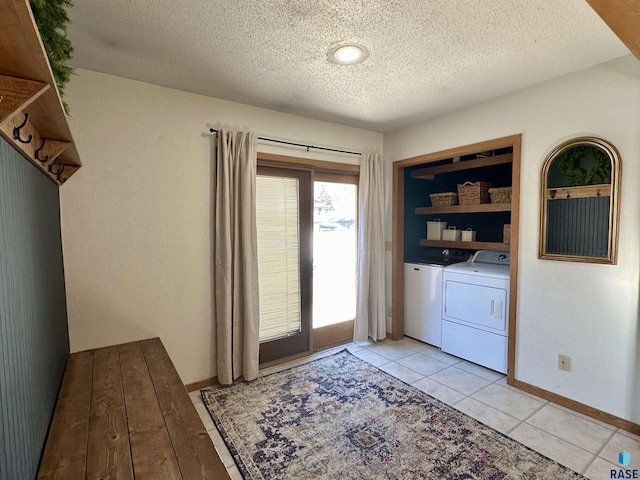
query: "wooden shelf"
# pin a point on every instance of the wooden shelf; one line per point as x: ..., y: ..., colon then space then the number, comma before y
x: 428, y: 173
x: 28, y: 88
x: 583, y: 191
x: 496, y: 246
x: 481, y: 208
x: 623, y: 17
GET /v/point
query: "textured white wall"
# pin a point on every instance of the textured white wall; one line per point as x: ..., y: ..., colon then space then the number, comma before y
x: 136, y: 217
x: 587, y: 311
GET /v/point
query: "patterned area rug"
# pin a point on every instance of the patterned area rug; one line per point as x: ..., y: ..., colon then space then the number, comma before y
x: 341, y: 418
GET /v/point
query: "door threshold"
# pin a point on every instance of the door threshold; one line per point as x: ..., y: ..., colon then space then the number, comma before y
x: 285, y: 359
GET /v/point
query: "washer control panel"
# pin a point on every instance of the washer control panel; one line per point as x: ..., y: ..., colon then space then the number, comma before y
x: 494, y: 258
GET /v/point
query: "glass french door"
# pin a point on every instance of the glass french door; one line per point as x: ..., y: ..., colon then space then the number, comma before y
x: 335, y: 198
x: 307, y: 259
x: 284, y: 257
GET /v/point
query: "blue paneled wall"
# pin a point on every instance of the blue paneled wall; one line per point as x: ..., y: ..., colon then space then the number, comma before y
x: 578, y: 226
x: 34, y: 340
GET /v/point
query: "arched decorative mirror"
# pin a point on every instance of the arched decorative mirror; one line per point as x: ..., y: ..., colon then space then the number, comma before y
x: 579, y: 202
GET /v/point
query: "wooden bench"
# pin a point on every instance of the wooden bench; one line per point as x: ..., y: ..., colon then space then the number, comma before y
x: 123, y: 413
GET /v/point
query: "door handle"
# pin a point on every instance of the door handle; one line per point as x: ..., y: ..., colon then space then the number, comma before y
x: 496, y: 309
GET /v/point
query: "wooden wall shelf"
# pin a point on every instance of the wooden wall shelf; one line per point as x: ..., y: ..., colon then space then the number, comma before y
x: 481, y: 208
x: 496, y: 246
x: 428, y: 173
x: 583, y: 191
x: 29, y: 96
x: 623, y: 17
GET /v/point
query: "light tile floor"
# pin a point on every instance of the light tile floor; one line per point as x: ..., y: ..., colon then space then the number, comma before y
x: 585, y: 445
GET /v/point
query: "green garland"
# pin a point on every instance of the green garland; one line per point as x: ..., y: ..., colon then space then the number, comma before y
x: 569, y: 165
x: 52, y: 20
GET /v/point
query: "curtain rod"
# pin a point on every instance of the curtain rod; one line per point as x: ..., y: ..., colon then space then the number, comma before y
x: 213, y: 130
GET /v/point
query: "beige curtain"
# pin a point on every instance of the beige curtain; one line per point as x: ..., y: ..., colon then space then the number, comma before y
x: 236, y: 257
x: 370, y: 315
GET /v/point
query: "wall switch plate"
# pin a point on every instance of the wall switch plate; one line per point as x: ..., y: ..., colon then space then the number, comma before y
x: 388, y: 246
x: 564, y: 362
x: 389, y: 311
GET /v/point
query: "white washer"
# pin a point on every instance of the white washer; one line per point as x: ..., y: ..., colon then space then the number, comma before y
x: 475, y: 309
x: 423, y: 302
x: 423, y: 293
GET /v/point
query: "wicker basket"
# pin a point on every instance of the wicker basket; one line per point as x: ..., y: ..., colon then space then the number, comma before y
x: 500, y: 195
x: 470, y: 193
x: 443, y: 199
x: 507, y: 233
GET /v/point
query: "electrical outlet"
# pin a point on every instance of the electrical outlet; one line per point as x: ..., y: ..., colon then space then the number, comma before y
x: 389, y: 311
x: 564, y: 362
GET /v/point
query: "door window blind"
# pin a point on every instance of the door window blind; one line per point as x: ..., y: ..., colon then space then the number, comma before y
x: 278, y: 233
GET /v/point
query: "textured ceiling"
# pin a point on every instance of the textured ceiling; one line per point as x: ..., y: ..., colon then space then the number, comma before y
x: 427, y: 57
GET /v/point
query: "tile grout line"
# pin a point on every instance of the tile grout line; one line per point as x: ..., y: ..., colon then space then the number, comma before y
x: 628, y: 434
x: 426, y: 376
x: 490, y: 406
x: 533, y: 413
x: 568, y: 441
x: 455, y: 390
x: 597, y: 455
x: 584, y: 417
x: 557, y: 438
x: 520, y: 422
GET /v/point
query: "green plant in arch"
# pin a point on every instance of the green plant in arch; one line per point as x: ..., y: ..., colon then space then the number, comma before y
x: 52, y: 20
x: 569, y: 164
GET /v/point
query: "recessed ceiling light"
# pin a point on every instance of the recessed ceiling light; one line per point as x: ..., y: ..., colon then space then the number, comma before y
x: 347, y: 54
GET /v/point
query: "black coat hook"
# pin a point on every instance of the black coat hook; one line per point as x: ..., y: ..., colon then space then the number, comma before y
x: 16, y: 131
x: 36, y: 153
x: 58, y: 171
x: 59, y: 174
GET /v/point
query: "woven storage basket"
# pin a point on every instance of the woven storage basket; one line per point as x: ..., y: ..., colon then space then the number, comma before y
x: 507, y: 233
x: 473, y: 193
x: 443, y: 199
x: 500, y: 195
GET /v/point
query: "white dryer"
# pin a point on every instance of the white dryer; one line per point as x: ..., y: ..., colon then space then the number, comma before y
x: 475, y: 309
